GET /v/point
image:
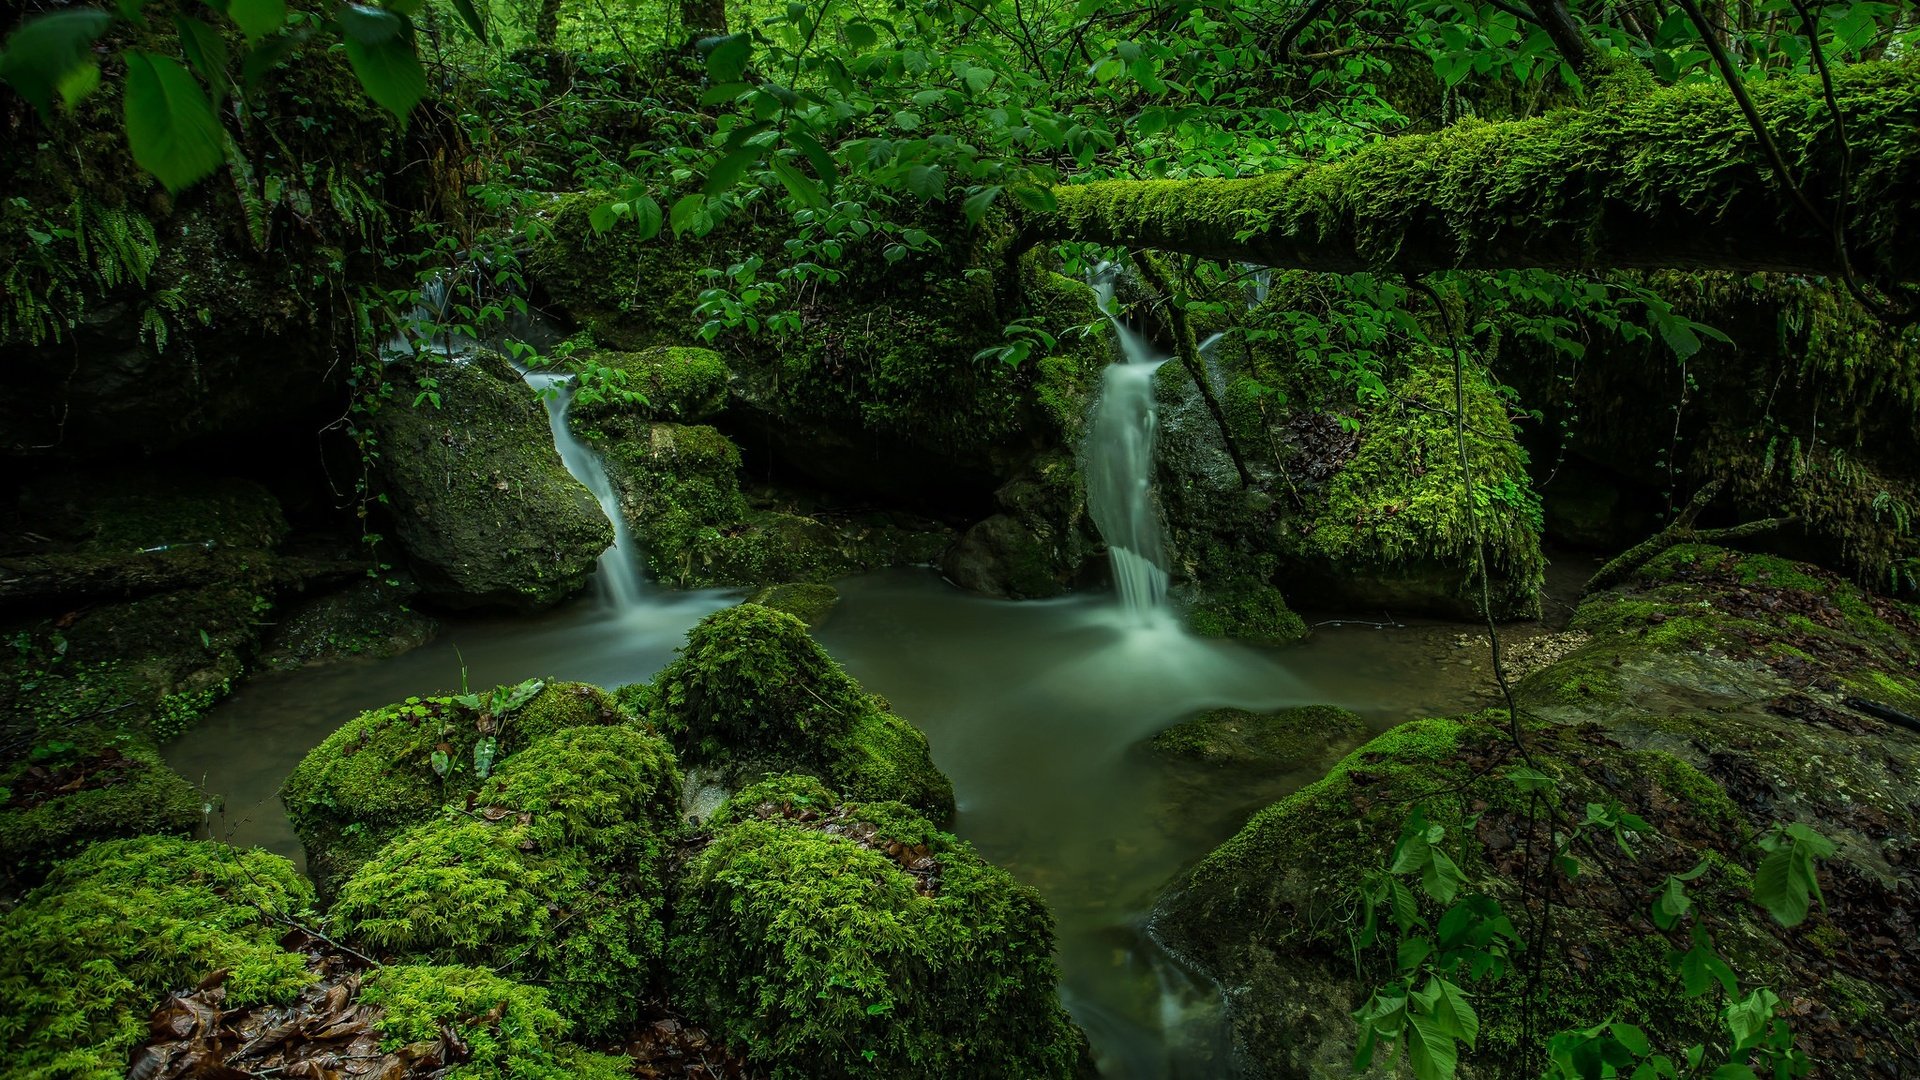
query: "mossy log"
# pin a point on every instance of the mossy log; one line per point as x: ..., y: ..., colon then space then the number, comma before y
x: 1667, y: 178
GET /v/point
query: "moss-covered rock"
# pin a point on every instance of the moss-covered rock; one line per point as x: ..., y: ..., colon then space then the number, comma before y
x: 369, y: 619
x: 1716, y: 693
x: 83, y: 786
x: 842, y: 940
x: 1245, y: 610
x: 481, y: 503
x: 753, y: 694
x: 379, y: 772
x: 811, y: 604
x: 85, y: 956
x: 557, y: 875
x: 1283, y: 741
x: 666, y: 382
x: 508, y: 1028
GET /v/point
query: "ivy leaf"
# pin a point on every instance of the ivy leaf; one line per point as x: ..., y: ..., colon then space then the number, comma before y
x: 257, y: 18
x: 171, y: 128
x: 389, y: 72
x: 51, y: 54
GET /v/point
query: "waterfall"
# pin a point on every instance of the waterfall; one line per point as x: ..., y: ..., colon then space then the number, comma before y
x: 1120, y: 465
x: 618, y: 570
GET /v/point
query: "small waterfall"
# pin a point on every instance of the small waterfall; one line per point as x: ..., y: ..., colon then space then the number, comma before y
x: 1120, y: 465
x: 618, y: 570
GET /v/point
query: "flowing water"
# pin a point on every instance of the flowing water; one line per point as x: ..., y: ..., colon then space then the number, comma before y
x: 1119, y: 467
x: 617, y: 574
x: 1036, y: 710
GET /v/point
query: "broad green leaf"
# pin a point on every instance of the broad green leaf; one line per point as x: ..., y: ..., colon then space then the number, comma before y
x: 861, y: 35
x: 977, y: 203
x: 389, y: 72
x: 475, y: 21
x: 1037, y: 199
x: 206, y: 50
x: 258, y: 18
x: 171, y: 128
x: 816, y: 155
x: 723, y: 94
x: 728, y: 170
x: 646, y: 217
x: 1776, y: 887
x: 369, y: 25
x: 256, y: 64
x: 1455, y: 1012
x: 802, y: 187
x: 726, y: 56
x: 685, y: 211
x: 1431, y: 1050
x: 1412, y: 952
x: 927, y: 181
x: 49, y: 55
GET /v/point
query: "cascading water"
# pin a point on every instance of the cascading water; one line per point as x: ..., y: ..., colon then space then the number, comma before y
x: 1120, y: 465
x: 618, y: 570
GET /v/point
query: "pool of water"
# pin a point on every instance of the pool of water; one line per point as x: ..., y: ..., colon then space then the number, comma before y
x: 1036, y: 709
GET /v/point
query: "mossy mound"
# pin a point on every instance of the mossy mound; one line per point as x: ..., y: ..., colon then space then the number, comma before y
x: 369, y: 619
x: 85, y: 956
x: 1283, y: 741
x: 752, y: 694
x: 811, y: 604
x: 557, y: 875
x: 508, y: 1028
x: 666, y: 382
x: 377, y: 774
x: 481, y: 503
x: 840, y: 940
x: 1245, y: 610
x: 84, y: 786
x: 1715, y: 694
x: 139, y: 510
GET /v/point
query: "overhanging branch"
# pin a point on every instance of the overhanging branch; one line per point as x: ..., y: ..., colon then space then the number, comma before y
x: 1670, y: 179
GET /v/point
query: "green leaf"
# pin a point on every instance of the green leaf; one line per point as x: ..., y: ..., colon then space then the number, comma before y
x: 1432, y: 1050
x: 723, y: 94
x: 646, y: 217
x: 1634, y: 1039
x: 476, y: 22
x: 369, y: 25
x: 1412, y: 952
x: 977, y: 203
x: 685, y: 211
x: 726, y: 56
x: 802, y: 187
x: 256, y: 64
x: 206, y: 50
x: 50, y: 54
x: 861, y: 35
x: 258, y: 18
x: 1454, y: 1012
x: 389, y: 72
x: 1778, y: 889
x: 729, y: 169
x: 816, y: 155
x: 171, y: 128
x: 927, y: 181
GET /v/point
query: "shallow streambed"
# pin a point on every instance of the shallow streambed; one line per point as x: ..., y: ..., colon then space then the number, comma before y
x: 1035, y: 709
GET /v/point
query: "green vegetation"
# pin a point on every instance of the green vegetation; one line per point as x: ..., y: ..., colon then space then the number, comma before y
x: 878, y: 946
x: 1283, y: 741
x: 753, y: 694
x: 89, y: 785
x: 419, y: 1002
x: 86, y: 956
x: 390, y: 768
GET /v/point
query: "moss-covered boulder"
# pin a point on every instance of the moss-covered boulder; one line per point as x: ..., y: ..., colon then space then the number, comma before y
x: 666, y: 382
x: 841, y: 940
x: 753, y: 694
x: 481, y: 503
x: 84, y: 785
x: 1042, y: 540
x: 811, y: 604
x: 1244, y: 609
x: 1284, y: 741
x: 86, y: 956
x: 557, y: 873
x: 1715, y: 695
x: 371, y: 619
x: 393, y: 767
x: 510, y: 1029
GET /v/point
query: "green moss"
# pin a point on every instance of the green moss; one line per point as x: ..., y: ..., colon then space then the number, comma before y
x: 811, y: 604
x: 752, y: 693
x: 559, y: 876
x: 1277, y: 742
x: 826, y: 958
x: 122, y: 789
x: 672, y: 382
x: 84, y: 957
x: 1246, y: 611
x: 420, y: 1003
x: 375, y: 775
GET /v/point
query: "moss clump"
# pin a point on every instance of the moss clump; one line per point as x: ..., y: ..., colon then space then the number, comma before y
x: 559, y: 876
x: 84, y: 957
x: 811, y: 604
x: 485, y: 510
x: 83, y: 786
x: 1282, y: 741
x: 752, y: 693
x: 857, y: 940
x: 376, y: 775
x: 1247, y: 611
x: 667, y: 382
x: 420, y: 1003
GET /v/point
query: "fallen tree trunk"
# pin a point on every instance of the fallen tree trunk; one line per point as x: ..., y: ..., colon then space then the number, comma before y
x: 1672, y: 178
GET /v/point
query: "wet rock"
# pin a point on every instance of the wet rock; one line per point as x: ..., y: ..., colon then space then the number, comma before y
x: 811, y: 604
x: 1284, y: 741
x: 480, y: 501
x: 367, y: 620
x: 666, y: 382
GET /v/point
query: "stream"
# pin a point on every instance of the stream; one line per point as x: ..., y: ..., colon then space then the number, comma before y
x: 1036, y: 710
